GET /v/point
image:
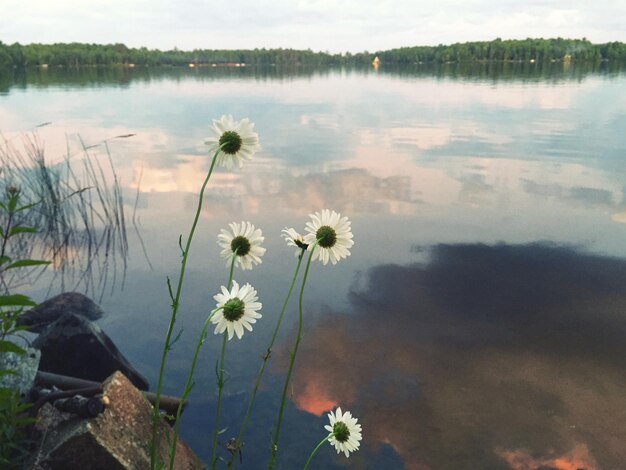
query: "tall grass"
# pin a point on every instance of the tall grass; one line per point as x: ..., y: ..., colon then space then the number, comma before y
x: 79, y: 209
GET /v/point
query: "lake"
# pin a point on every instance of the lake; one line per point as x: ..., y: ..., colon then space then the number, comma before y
x: 480, y: 321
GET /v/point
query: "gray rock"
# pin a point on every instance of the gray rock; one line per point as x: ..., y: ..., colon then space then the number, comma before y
x: 74, y: 346
x: 117, y: 439
x: 25, y: 367
x: 52, y: 309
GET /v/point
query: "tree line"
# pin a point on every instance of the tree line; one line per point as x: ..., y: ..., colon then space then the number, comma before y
x: 513, y: 50
x: 78, y: 54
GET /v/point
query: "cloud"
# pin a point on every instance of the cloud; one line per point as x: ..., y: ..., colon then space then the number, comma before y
x: 316, y: 24
x: 520, y: 459
x: 487, y: 354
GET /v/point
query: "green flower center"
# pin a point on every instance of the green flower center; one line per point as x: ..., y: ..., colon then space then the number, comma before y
x: 341, y: 431
x: 230, y: 142
x: 326, y: 236
x: 234, y: 309
x: 240, y: 245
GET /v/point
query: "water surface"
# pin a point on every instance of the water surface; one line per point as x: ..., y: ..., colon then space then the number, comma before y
x: 480, y: 320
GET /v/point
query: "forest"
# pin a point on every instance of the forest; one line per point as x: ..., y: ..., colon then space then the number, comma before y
x: 525, y: 50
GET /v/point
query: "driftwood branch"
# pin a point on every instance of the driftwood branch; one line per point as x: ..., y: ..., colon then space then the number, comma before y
x: 63, y: 382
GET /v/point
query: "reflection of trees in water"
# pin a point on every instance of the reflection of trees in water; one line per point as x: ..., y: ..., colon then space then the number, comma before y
x: 487, y: 357
x: 476, y: 71
x: 88, y: 77
x: 78, y: 210
x: 551, y: 72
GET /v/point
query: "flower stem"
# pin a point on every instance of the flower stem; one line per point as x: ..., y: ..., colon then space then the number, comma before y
x: 291, y: 361
x: 266, y: 356
x: 220, y: 386
x: 220, y: 375
x: 316, y: 449
x: 175, y: 304
x: 5, y: 238
x: 189, y: 383
x: 6, y: 231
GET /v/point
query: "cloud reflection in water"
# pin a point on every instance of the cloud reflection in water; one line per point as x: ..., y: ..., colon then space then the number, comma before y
x: 487, y: 357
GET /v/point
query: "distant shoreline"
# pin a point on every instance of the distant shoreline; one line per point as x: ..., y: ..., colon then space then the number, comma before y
x: 244, y: 65
x: 498, y: 50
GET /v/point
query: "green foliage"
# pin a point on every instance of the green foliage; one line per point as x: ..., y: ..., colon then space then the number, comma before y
x: 538, y: 50
x: 13, y: 420
x: 513, y: 50
x: 11, y: 226
x: 77, y: 54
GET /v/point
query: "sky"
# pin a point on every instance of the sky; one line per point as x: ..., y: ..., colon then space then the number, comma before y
x: 320, y: 25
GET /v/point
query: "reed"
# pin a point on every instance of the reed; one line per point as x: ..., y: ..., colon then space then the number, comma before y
x: 78, y: 207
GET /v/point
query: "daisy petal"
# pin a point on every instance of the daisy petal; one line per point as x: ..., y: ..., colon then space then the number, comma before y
x: 236, y: 310
x: 346, y: 432
x: 333, y: 235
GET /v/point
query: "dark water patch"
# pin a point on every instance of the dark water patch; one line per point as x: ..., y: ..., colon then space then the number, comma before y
x: 485, y: 356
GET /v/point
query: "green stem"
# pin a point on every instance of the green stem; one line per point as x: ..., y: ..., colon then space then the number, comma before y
x: 188, y: 384
x: 175, y: 303
x: 316, y: 449
x: 232, y: 267
x: 7, y: 229
x: 220, y: 386
x: 5, y: 239
x: 220, y: 379
x: 266, y: 356
x: 292, y: 360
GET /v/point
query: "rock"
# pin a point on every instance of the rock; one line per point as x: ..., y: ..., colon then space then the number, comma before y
x: 74, y: 346
x: 117, y: 439
x: 52, y: 309
x: 25, y: 367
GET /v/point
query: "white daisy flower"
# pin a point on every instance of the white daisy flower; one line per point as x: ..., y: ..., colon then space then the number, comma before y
x: 346, y: 432
x: 240, y: 139
x: 244, y: 239
x: 333, y: 234
x: 237, y: 310
x: 293, y: 238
